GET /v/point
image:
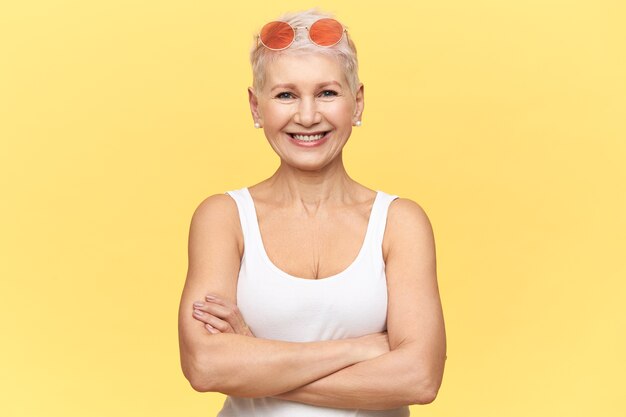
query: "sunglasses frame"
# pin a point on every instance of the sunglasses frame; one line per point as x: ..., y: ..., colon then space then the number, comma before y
x: 294, y: 28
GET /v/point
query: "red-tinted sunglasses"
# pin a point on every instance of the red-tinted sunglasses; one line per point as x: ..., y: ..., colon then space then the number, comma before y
x: 279, y: 35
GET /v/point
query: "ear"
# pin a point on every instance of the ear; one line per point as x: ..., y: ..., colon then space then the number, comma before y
x: 254, y: 106
x: 360, y: 98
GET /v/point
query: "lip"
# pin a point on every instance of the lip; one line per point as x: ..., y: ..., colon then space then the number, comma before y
x: 313, y: 144
x: 317, y: 132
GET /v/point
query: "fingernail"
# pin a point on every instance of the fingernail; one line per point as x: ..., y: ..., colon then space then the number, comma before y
x: 198, y: 313
x: 198, y: 304
x: 210, y: 297
x: 211, y: 329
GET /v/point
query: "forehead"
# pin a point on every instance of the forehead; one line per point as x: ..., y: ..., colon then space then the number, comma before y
x: 304, y: 70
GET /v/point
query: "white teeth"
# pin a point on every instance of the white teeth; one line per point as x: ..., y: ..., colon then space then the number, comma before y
x: 309, y: 138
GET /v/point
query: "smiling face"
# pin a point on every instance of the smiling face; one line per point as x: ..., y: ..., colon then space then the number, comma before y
x: 306, y: 95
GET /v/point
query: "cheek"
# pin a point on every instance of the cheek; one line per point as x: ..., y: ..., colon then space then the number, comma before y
x: 279, y: 114
x: 341, y: 113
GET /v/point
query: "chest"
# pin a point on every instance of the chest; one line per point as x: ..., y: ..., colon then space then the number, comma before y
x: 313, y: 249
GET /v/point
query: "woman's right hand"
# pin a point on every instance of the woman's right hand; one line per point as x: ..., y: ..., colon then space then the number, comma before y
x: 374, y: 344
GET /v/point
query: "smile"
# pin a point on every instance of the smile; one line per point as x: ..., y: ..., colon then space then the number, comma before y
x: 309, y: 140
x: 308, y: 137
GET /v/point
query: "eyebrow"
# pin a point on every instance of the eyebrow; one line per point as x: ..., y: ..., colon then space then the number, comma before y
x: 289, y: 85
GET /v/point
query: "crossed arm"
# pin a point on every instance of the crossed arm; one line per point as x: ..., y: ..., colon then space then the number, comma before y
x: 409, y: 373
x: 377, y: 384
x: 383, y: 381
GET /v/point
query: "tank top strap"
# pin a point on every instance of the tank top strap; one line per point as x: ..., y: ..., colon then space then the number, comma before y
x: 247, y: 217
x: 379, y: 220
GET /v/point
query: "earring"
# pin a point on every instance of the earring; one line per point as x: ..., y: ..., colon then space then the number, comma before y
x: 257, y: 125
x: 358, y: 123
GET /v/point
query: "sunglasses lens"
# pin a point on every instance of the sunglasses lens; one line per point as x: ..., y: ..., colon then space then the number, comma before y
x: 326, y: 32
x: 277, y: 35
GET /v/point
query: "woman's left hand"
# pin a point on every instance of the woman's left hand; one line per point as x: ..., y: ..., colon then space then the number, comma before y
x: 221, y: 316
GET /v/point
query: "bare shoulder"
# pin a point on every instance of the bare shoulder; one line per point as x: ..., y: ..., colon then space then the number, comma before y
x: 218, y: 213
x: 214, y: 249
x: 407, y: 222
x: 221, y: 206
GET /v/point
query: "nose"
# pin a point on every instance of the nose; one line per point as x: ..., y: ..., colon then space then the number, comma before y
x: 307, y: 113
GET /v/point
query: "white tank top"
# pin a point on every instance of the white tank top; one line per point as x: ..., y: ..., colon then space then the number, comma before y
x: 279, y: 306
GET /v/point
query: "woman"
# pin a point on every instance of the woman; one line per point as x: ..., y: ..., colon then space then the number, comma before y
x: 310, y: 312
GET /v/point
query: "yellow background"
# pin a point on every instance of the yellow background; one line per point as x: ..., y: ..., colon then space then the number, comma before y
x: 505, y: 120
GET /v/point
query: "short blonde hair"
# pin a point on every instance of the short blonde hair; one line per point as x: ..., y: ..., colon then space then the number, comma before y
x: 344, y: 51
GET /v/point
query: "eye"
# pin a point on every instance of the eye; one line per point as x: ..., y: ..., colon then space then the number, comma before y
x: 284, y: 95
x: 332, y: 93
